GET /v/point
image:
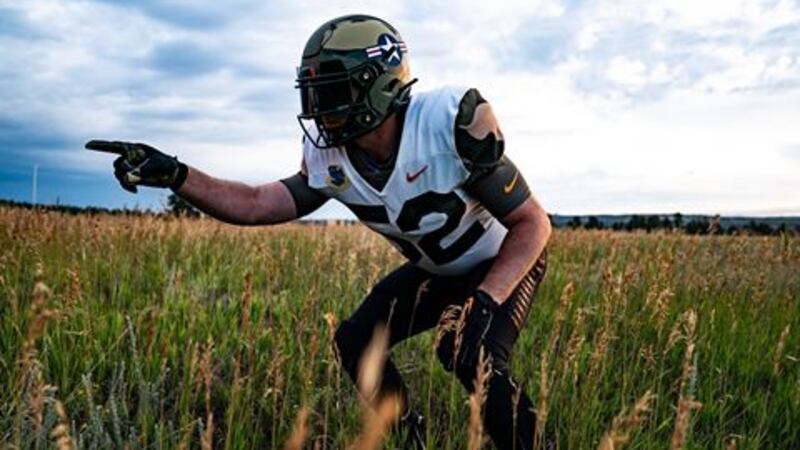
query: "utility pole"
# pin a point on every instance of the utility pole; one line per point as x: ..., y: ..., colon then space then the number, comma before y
x: 35, y: 175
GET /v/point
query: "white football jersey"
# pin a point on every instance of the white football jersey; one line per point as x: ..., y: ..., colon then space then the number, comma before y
x: 423, y: 209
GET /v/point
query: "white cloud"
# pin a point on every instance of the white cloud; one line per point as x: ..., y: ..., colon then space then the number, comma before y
x: 607, y: 106
x: 626, y: 71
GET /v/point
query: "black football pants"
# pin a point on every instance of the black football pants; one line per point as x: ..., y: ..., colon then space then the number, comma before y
x: 410, y: 300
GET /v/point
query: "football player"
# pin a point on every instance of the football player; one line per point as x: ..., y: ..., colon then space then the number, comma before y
x: 428, y: 172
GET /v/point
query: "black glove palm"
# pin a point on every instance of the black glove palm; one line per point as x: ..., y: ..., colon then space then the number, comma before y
x: 141, y: 164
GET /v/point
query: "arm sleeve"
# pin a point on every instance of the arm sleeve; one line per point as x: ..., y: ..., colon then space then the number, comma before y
x: 494, y: 180
x: 306, y: 198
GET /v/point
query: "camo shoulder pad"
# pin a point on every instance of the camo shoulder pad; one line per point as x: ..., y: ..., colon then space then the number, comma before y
x: 478, y: 138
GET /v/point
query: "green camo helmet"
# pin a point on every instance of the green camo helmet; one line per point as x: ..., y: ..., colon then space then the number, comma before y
x: 354, y: 74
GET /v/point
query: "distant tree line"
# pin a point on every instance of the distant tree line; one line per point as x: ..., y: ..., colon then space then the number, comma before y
x: 68, y: 209
x: 178, y: 207
x: 704, y: 225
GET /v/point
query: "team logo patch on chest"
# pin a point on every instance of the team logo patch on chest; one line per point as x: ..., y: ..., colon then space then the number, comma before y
x: 336, y: 178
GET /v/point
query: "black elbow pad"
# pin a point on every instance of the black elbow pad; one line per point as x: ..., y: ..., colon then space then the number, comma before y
x: 306, y: 198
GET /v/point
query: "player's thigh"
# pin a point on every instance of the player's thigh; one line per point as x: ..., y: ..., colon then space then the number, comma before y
x: 443, y: 291
x: 411, y: 300
x: 392, y: 302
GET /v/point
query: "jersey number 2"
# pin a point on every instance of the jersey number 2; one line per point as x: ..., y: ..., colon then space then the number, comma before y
x: 453, y: 208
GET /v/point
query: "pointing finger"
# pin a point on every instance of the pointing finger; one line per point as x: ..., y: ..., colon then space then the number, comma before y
x: 115, y: 147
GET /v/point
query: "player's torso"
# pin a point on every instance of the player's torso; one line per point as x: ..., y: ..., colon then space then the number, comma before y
x: 422, y: 209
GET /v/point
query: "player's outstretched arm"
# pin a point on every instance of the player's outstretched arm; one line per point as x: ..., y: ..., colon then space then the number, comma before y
x: 230, y: 201
x: 238, y: 203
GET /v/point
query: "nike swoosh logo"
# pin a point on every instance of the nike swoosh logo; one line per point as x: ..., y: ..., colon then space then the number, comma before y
x: 510, y: 186
x: 410, y: 177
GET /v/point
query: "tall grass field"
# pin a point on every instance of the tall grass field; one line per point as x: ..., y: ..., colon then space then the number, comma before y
x: 146, y: 332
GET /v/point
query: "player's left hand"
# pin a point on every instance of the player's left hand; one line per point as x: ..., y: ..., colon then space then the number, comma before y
x: 477, y: 323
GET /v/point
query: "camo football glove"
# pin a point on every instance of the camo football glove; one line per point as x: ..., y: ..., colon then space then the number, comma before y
x: 476, y: 325
x: 141, y: 164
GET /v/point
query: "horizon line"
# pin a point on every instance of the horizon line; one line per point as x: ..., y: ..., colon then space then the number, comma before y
x: 763, y: 214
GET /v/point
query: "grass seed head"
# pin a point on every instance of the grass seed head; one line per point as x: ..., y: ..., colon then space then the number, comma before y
x: 247, y: 301
x: 685, y: 407
x: 478, y: 398
x: 376, y: 423
x: 60, y: 433
x: 299, y: 431
x: 776, y: 362
x: 371, y: 364
x: 448, y: 322
x: 686, y: 403
x: 626, y: 423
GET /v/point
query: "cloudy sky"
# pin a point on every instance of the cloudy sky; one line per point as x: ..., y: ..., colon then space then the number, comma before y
x: 608, y: 107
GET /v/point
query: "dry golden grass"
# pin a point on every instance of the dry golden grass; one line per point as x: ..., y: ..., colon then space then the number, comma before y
x: 686, y: 402
x: 542, y: 408
x: 153, y: 335
x: 379, y: 410
x: 477, y: 400
x: 299, y: 431
x: 776, y: 365
x: 626, y: 423
x: 60, y: 434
